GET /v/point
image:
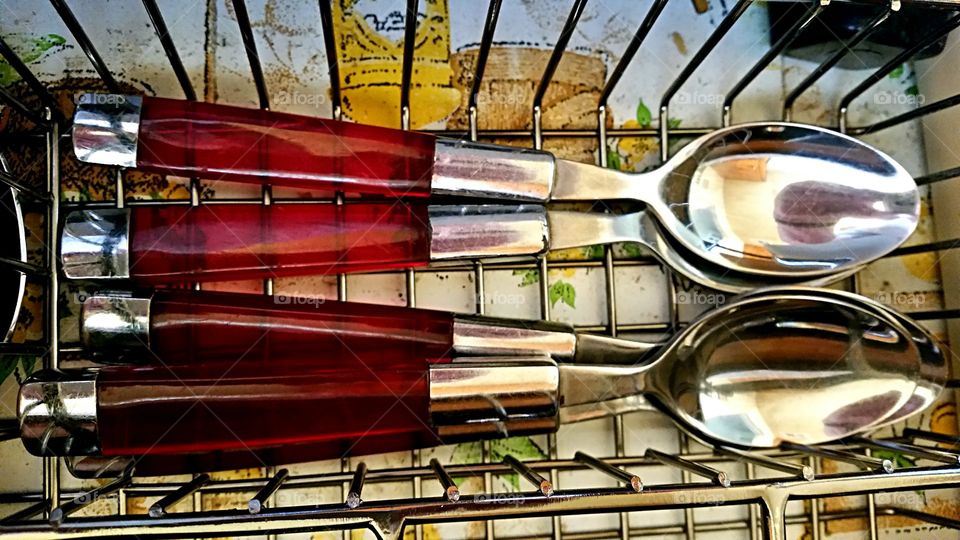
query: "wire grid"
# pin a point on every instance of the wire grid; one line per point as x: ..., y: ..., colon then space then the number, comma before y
x: 756, y: 524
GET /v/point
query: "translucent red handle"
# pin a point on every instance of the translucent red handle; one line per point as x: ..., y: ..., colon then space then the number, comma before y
x: 190, y: 138
x: 188, y: 327
x: 234, y: 406
x: 218, y: 242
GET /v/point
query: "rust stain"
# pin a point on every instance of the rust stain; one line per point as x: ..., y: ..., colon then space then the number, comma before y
x: 679, y: 42
x: 507, y: 90
x: 210, y: 53
x: 274, y: 21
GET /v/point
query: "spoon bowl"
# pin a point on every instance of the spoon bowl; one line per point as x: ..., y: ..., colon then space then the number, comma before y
x: 703, y: 272
x: 771, y: 199
x: 764, y: 370
x: 577, y: 229
x: 933, y: 374
x: 775, y: 198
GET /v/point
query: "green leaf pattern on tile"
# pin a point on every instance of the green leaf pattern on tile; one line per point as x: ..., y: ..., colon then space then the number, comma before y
x: 20, y: 366
x: 28, y: 364
x: 899, y: 460
x: 469, y: 452
x: 530, y: 277
x: 629, y: 153
x: 7, y: 365
x: 30, y: 50
x: 632, y: 250
x: 522, y: 448
x: 594, y: 252
x: 897, y: 72
x: 613, y: 158
x: 644, y: 118
x: 561, y: 291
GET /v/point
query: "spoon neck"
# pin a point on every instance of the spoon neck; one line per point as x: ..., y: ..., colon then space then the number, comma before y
x: 594, y: 391
x: 594, y: 349
x: 585, y: 182
x: 648, y: 187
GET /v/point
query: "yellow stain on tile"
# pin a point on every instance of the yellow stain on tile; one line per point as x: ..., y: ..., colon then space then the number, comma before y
x: 679, y: 43
x: 562, y: 272
x: 943, y: 419
x: 371, y: 63
x: 569, y: 254
x: 239, y: 474
x: 633, y: 150
x: 430, y: 532
x: 923, y: 266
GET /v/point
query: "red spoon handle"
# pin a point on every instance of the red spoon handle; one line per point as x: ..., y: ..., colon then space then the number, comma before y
x: 176, y: 244
x: 223, y: 142
x: 190, y: 138
x: 227, y: 406
x: 318, y: 410
x: 189, y: 327
x: 218, y: 242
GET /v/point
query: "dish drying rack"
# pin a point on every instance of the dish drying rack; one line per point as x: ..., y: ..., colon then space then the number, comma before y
x: 48, y: 511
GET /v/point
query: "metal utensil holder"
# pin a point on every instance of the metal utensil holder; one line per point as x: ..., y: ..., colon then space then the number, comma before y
x: 48, y: 514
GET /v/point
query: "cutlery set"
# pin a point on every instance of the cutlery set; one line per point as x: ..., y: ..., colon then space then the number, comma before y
x: 194, y: 379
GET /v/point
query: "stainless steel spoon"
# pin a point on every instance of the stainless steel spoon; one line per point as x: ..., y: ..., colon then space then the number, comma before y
x: 770, y: 199
x: 735, y: 376
x: 934, y: 370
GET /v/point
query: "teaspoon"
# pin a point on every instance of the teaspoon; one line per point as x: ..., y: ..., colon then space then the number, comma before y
x: 771, y: 199
x: 735, y: 376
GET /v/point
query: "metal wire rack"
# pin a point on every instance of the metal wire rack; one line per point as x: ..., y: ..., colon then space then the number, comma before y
x: 48, y: 511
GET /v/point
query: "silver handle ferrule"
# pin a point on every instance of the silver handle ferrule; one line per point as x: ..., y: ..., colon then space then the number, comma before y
x: 58, y: 414
x: 494, y: 397
x: 112, y: 322
x: 477, y: 170
x: 106, y: 128
x: 90, y: 467
x: 474, y: 335
x: 481, y: 230
x: 95, y: 244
